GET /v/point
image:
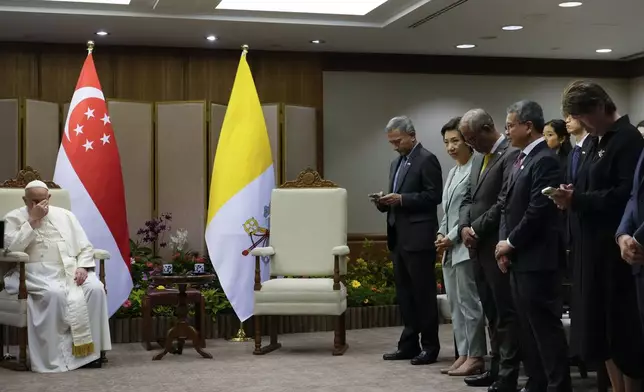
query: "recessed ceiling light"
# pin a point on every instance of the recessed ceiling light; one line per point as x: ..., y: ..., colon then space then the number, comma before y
x: 570, y: 4
x: 102, y: 33
x: 344, y: 7
x: 604, y: 50
x: 466, y: 46
x: 211, y: 38
x: 318, y: 41
x: 116, y: 2
x: 512, y: 28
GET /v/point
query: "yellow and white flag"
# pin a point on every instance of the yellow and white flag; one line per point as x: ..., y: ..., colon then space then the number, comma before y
x: 240, y: 194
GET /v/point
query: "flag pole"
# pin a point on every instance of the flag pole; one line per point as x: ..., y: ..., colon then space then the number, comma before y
x: 241, y: 334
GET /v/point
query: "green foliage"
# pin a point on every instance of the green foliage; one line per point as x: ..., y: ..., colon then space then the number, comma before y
x: 370, y: 278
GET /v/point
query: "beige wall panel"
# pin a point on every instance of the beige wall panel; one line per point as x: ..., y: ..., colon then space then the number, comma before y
x: 65, y: 110
x: 181, y: 167
x: 41, y: 136
x: 9, y: 139
x: 133, y: 127
x: 217, y: 114
x: 300, y: 147
x: 272, y: 118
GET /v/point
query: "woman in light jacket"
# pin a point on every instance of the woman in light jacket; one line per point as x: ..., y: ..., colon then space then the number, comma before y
x: 468, y: 320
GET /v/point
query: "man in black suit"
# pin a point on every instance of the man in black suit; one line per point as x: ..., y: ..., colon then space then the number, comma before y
x: 415, y: 190
x: 530, y: 250
x: 479, y: 228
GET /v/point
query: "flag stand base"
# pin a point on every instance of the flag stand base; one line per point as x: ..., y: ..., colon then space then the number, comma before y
x: 240, y: 336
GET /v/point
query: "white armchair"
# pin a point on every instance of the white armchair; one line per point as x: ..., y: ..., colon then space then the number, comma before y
x: 308, y: 236
x: 13, y: 308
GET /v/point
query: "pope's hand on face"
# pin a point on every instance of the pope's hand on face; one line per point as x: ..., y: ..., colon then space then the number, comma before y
x: 39, y: 211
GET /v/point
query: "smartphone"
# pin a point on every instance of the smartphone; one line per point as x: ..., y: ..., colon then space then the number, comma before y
x: 375, y: 196
x: 548, y: 191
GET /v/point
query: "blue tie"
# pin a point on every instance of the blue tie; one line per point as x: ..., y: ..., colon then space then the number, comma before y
x: 402, y: 163
x: 576, y: 153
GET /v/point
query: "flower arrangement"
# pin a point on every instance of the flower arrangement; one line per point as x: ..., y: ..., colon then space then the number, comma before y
x: 183, y: 260
x: 370, y: 278
x: 144, y: 258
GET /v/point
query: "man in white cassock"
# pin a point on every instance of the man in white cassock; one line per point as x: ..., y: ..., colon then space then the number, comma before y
x: 67, y: 305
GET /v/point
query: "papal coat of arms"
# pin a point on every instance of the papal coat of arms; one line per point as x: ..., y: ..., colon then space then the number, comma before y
x: 258, y: 234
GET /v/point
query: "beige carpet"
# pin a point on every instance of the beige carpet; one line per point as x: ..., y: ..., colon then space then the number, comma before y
x: 303, y: 364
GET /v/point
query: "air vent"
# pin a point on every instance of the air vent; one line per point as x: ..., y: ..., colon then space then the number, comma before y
x: 437, y: 14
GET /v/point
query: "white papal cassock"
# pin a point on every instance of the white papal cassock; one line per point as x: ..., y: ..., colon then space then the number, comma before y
x: 60, y: 315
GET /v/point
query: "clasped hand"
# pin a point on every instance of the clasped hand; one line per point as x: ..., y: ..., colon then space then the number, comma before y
x: 442, y: 242
x: 501, y: 253
x: 391, y: 199
x: 632, y: 251
x: 469, y: 237
x: 80, y: 276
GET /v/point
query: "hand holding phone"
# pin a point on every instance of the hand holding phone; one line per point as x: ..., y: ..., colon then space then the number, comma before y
x: 375, y: 196
x: 549, y: 191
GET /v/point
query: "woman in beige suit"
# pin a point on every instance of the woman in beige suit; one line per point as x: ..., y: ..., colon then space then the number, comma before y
x: 468, y: 320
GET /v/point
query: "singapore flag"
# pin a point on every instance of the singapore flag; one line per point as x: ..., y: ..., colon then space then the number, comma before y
x: 89, y: 168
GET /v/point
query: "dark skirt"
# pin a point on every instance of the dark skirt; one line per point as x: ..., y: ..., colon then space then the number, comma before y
x: 604, y: 313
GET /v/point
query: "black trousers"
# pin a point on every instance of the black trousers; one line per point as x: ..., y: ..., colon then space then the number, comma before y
x: 498, y: 305
x: 639, y: 283
x: 538, y: 299
x: 415, y: 278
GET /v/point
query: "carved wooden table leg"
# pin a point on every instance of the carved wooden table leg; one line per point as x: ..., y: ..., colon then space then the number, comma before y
x: 182, y: 330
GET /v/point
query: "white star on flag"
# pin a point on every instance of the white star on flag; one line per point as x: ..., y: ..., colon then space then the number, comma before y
x: 89, y: 113
x: 105, y: 139
x: 88, y: 145
x: 79, y: 129
x: 106, y: 119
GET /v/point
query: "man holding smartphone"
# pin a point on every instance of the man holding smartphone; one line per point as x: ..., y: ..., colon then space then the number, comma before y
x: 415, y: 190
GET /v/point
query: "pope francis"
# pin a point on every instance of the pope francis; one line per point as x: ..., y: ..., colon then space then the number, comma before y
x: 67, y: 306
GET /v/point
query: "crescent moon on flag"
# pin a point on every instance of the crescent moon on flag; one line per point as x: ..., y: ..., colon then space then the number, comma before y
x: 79, y: 96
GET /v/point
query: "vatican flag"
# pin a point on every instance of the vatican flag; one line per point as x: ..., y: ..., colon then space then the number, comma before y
x: 240, y: 194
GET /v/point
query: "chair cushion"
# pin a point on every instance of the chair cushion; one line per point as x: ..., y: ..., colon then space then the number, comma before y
x: 13, y: 311
x: 300, y: 297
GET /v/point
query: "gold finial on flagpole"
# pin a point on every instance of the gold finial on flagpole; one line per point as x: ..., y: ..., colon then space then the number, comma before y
x: 245, y: 48
x: 90, y: 47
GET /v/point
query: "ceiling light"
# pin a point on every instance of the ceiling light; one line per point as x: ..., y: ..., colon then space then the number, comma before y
x: 115, y: 2
x: 336, y: 7
x: 570, y: 4
x: 317, y: 41
x: 466, y: 46
x: 512, y: 28
x: 604, y: 50
x: 102, y: 33
x: 211, y: 38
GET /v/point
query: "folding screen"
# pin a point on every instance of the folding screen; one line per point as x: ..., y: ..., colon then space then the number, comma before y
x: 273, y: 118
x: 9, y: 138
x: 133, y: 128
x: 41, y: 136
x: 299, y: 140
x: 217, y: 114
x: 181, y: 167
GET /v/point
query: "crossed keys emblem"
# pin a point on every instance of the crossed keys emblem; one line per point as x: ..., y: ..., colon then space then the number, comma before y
x: 258, y: 235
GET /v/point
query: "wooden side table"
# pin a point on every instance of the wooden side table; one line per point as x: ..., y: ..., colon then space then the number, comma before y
x: 170, y: 297
x: 182, y: 330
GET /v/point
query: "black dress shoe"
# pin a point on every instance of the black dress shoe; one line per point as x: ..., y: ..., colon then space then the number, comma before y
x: 502, y: 386
x: 480, y: 380
x: 424, y: 358
x: 398, y: 355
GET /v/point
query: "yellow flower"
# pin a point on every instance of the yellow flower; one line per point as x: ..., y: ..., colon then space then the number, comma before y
x: 390, y: 264
x: 366, y: 301
x: 355, y: 284
x: 160, y: 287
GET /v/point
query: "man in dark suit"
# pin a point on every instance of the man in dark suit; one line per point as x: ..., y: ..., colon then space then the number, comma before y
x: 415, y: 190
x: 479, y: 229
x: 530, y: 250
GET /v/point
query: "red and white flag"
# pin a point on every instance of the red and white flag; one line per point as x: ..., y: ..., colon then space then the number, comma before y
x: 89, y: 168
